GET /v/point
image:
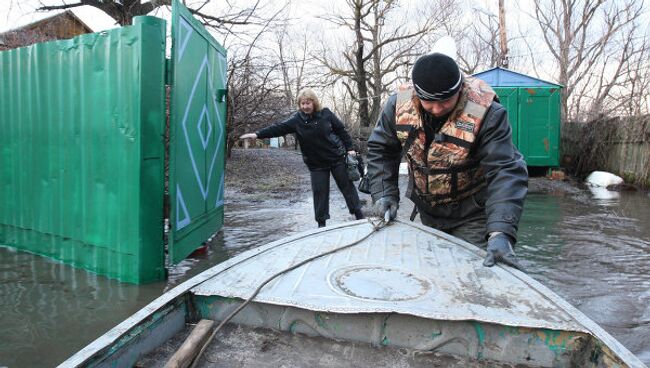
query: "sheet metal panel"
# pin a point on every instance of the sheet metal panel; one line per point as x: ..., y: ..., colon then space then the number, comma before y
x: 198, y: 134
x: 459, y: 287
x: 539, y: 126
x: 533, y: 107
x: 500, y: 77
x: 525, y: 347
x: 400, y: 269
x: 81, y: 154
x: 509, y: 98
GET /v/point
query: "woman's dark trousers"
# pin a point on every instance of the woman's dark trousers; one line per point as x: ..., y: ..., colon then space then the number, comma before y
x: 320, y: 186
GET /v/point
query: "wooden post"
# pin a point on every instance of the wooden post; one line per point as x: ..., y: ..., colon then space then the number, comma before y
x: 503, y: 55
x: 191, y: 346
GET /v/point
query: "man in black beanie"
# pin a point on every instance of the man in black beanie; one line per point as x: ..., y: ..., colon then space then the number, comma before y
x: 466, y: 177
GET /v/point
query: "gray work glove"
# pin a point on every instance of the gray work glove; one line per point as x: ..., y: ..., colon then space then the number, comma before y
x: 387, y: 204
x: 499, y: 249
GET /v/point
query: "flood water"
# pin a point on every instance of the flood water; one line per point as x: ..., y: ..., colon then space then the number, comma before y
x: 593, y: 252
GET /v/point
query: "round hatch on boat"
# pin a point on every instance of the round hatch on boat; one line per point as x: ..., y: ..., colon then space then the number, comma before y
x: 378, y: 283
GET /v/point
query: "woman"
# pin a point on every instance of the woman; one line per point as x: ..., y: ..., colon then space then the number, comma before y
x: 324, y: 142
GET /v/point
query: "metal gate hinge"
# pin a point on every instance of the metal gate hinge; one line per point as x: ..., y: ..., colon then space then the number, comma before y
x: 222, y: 94
x: 168, y: 71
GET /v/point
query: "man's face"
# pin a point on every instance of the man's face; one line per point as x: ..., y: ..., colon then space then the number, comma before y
x: 306, y: 106
x: 442, y: 107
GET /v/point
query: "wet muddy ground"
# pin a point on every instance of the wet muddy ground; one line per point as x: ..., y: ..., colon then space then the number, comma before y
x: 590, y: 247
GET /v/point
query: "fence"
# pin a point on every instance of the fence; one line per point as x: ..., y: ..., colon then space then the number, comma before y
x: 617, y: 145
x: 83, y: 144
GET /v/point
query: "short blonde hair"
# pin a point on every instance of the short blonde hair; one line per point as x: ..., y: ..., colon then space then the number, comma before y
x: 309, y: 94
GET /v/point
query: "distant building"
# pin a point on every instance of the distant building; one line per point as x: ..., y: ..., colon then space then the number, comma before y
x: 57, y: 27
x: 533, y: 107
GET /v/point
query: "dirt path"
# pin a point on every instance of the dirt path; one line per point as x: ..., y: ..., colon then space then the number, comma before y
x: 264, y: 174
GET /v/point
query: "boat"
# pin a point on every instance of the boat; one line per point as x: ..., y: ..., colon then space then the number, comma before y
x: 356, y: 294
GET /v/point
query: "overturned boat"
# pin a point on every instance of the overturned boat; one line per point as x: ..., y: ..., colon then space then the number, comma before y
x: 361, y: 294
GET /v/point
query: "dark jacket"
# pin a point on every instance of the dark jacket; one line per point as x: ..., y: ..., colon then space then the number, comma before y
x: 322, y: 136
x: 504, y: 168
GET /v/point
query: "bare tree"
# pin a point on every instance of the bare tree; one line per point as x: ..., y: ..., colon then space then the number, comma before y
x: 588, y: 40
x: 611, y: 86
x: 123, y: 11
x: 634, y: 97
x: 292, y: 52
x: 478, y: 43
x: 297, y: 67
x: 253, y: 96
x: 256, y: 84
x: 384, y: 40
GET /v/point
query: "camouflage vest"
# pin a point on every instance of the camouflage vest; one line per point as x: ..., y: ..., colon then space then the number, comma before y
x: 444, y: 172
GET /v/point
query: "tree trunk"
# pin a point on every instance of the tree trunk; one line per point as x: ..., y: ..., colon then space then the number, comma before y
x: 360, y: 72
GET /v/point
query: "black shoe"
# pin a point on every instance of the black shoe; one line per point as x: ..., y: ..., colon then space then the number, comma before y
x: 359, y: 214
x: 321, y: 223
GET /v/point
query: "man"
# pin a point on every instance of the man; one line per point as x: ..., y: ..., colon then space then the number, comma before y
x: 466, y: 177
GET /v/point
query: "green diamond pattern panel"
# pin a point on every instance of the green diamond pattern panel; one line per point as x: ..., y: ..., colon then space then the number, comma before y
x: 197, y: 134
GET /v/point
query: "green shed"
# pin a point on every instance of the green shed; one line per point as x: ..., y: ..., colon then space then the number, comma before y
x: 533, y: 107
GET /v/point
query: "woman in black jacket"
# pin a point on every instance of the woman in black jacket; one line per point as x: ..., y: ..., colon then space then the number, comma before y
x: 324, y: 143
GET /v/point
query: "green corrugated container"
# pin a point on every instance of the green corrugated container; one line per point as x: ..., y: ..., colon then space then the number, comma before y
x: 81, y: 150
x: 533, y: 107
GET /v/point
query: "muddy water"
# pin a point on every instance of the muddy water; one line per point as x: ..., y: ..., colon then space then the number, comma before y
x: 596, y: 254
x: 593, y: 252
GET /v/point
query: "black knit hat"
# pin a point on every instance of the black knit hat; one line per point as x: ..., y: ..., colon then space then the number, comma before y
x: 436, y: 77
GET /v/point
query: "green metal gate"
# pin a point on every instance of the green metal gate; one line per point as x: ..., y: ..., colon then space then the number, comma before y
x: 197, y: 134
x: 82, y: 154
